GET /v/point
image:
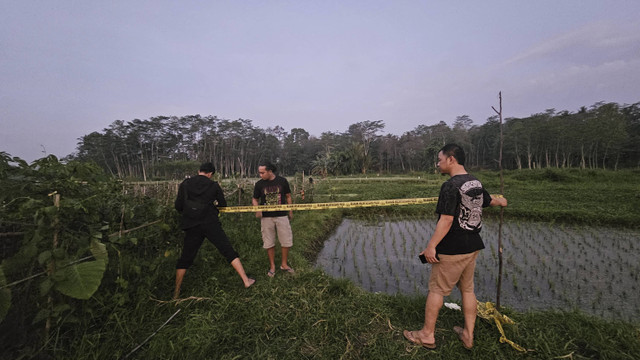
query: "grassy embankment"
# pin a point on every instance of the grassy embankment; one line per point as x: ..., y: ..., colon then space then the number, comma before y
x: 310, y: 315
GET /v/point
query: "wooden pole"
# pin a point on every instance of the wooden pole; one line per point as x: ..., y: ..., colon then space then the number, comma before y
x: 500, y: 250
x: 52, y: 264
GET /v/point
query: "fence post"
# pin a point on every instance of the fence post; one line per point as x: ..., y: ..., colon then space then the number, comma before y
x: 52, y: 264
x: 500, y: 249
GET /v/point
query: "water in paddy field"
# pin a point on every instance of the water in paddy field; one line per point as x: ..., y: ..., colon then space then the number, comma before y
x: 545, y: 265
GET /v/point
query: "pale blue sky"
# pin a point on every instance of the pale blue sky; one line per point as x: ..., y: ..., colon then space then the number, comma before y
x: 68, y: 68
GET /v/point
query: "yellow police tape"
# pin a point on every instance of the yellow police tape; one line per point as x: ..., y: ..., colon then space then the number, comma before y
x: 331, y: 205
x: 487, y: 311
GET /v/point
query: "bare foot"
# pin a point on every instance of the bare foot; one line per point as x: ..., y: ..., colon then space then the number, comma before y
x: 414, y: 337
x: 249, y: 282
x: 288, y: 269
x: 467, y: 342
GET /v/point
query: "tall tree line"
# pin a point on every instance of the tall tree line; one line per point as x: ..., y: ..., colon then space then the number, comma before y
x: 605, y: 135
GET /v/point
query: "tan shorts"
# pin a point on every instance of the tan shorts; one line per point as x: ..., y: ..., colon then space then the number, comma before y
x: 280, y: 224
x: 453, y: 270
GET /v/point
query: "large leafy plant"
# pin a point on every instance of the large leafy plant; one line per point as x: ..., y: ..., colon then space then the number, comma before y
x: 58, y: 216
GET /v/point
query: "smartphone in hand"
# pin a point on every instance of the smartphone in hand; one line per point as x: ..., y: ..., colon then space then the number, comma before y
x: 423, y: 258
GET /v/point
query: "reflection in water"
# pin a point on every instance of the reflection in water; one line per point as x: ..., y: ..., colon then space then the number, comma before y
x: 545, y: 265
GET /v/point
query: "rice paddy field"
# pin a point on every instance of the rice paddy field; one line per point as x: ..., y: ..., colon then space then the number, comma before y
x: 546, y: 265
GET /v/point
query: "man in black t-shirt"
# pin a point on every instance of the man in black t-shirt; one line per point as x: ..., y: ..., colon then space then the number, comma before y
x: 454, y: 246
x: 274, y: 190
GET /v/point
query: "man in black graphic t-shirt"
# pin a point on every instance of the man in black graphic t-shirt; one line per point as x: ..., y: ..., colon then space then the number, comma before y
x: 274, y: 190
x: 454, y: 246
x: 463, y: 197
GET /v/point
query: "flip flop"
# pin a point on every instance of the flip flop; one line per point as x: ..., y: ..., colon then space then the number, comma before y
x: 289, y: 270
x: 458, y: 330
x: 416, y: 340
x: 271, y: 273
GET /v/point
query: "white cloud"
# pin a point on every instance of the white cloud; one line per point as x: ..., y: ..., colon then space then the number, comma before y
x: 594, y: 42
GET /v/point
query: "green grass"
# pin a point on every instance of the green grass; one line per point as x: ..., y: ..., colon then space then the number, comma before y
x: 312, y: 316
x: 595, y: 197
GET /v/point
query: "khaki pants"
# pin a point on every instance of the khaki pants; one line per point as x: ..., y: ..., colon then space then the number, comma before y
x: 453, y: 270
x: 272, y: 225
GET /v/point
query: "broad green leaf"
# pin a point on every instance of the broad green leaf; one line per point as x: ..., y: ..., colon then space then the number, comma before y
x: 45, y: 286
x: 99, y: 251
x: 120, y: 240
x: 44, y: 257
x: 41, y: 315
x: 82, y: 280
x: 30, y: 250
x: 50, y: 210
x: 60, y: 308
x: 59, y: 253
x: 5, y: 296
x: 70, y: 319
x: 122, y: 282
x: 59, y: 275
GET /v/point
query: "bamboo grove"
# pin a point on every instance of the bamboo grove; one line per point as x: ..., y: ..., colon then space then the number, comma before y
x: 605, y: 136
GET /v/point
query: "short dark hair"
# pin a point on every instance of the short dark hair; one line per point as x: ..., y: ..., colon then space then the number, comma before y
x: 268, y: 165
x: 454, y: 150
x: 207, y: 168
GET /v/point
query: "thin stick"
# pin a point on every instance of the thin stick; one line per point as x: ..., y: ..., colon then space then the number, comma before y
x: 178, y: 301
x: 45, y: 272
x: 52, y: 263
x: 152, y: 335
x: 120, y: 233
x: 122, y: 211
x: 499, y: 287
x: 7, y: 234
